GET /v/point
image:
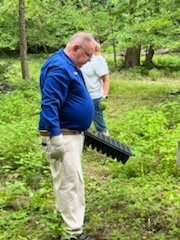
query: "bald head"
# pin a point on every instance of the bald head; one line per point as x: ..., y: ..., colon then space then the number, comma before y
x: 81, y: 38
x: 80, y: 48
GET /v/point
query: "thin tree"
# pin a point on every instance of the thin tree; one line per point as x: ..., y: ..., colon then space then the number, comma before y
x: 23, y: 43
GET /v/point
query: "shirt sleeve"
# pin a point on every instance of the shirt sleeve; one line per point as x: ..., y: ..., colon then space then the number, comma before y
x: 101, y: 67
x: 54, y: 93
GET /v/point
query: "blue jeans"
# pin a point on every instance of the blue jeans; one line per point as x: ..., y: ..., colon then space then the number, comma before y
x: 98, y: 120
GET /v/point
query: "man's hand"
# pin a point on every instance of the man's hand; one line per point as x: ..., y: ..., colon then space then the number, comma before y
x: 103, y: 103
x: 57, y: 147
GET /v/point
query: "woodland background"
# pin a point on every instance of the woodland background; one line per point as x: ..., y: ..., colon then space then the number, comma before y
x: 140, y: 40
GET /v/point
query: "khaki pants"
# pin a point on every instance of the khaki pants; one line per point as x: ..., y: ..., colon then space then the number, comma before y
x: 68, y: 183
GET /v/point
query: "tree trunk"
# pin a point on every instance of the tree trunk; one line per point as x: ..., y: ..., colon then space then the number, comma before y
x: 149, y: 57
x: 132, y: 57
x: 23, y: 43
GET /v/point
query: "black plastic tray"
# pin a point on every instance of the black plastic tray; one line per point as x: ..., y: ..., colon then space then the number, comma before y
x: 107, y: 145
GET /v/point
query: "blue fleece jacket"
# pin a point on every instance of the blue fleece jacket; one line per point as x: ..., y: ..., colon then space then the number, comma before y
x: 65, y: 100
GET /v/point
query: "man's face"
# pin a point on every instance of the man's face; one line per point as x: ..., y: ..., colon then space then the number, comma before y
x: 84, y: 53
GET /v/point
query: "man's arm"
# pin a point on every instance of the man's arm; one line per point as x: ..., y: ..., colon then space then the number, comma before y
x: 53, y: 95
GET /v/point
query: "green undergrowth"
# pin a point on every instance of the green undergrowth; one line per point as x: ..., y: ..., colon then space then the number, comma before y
x: 137, y: 200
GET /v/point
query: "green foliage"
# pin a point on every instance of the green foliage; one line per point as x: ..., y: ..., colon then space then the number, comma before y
x: 167, y: 60
x: 155, y: 74
x: 144, y: 207
x: 50, y: 23
x: 147, y: 126
x: 139, y: 199
x: 52, y: 30
x: 3, y: 69
x: 8, y: 24
x: 150, y: 23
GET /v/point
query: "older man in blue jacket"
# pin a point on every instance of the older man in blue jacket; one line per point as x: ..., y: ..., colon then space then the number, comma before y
x: 67, y: 111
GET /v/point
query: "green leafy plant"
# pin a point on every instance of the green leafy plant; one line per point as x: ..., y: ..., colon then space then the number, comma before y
x: 139, y: 199
x: 155, y: 74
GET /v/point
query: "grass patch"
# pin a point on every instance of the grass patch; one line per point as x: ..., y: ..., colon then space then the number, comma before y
x: 138, y: 200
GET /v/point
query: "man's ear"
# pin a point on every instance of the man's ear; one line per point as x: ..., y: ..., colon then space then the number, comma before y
x: 75, y: 48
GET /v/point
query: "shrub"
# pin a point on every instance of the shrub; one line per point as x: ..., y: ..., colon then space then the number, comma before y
x: 155, y: 74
